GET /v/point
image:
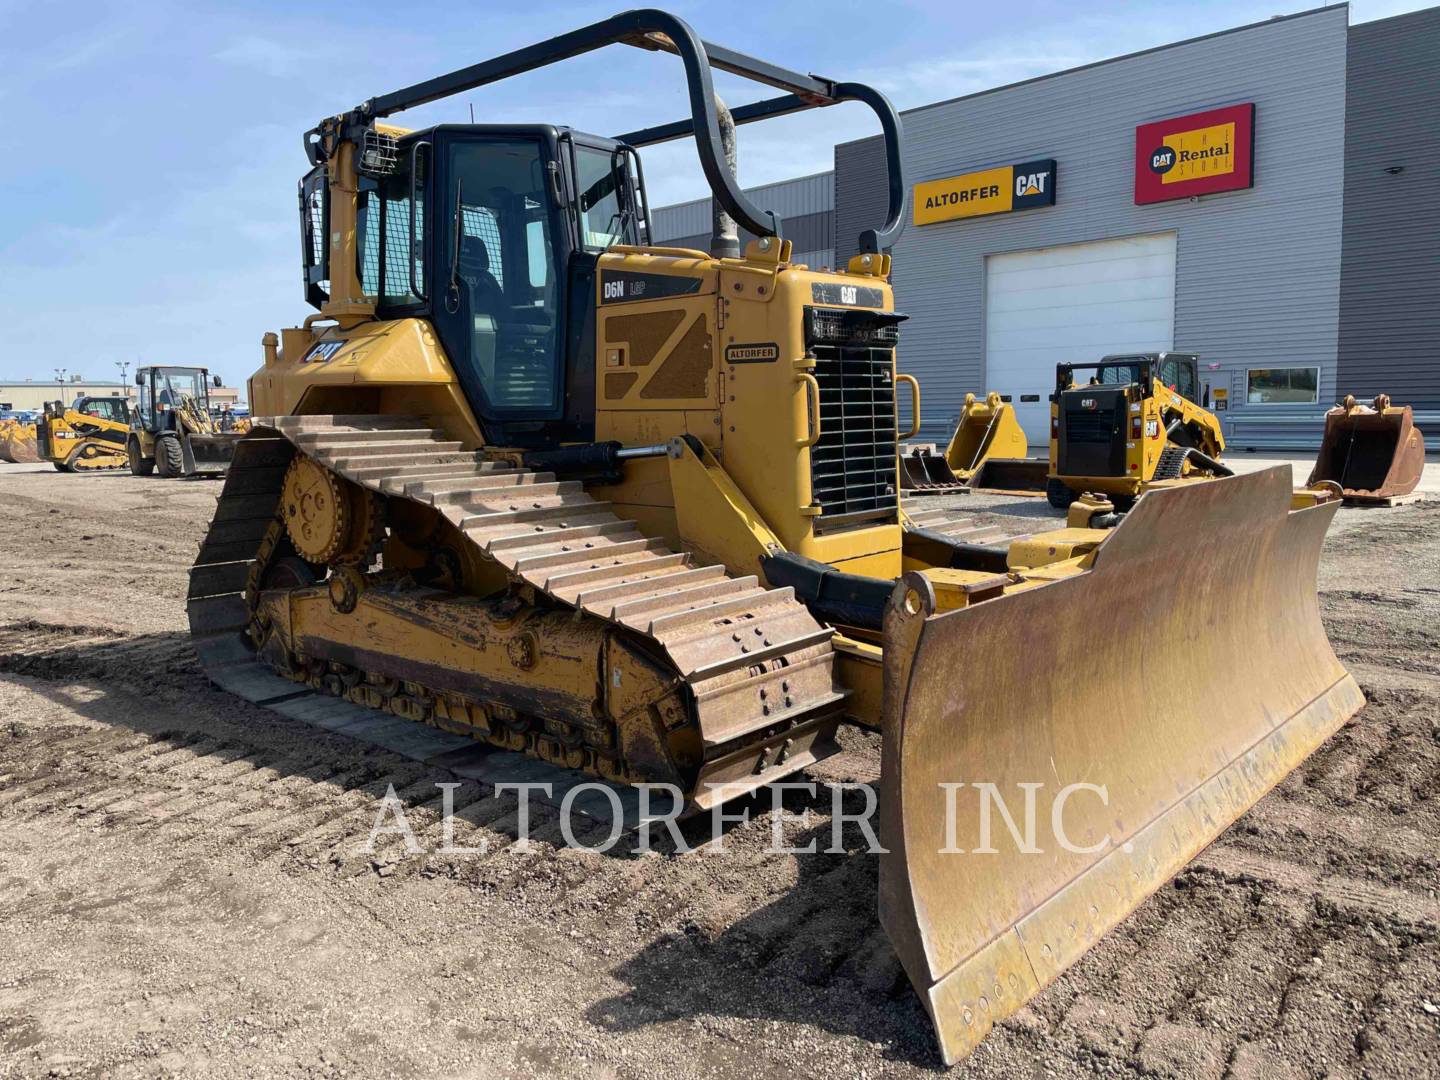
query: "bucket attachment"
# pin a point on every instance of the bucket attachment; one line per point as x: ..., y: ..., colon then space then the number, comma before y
x: 1012, y: 476
x: 1144, y: 704
x: 19, y: 444
x: 924, y: 472
x: 1373, y: 454
x: 987, y: 429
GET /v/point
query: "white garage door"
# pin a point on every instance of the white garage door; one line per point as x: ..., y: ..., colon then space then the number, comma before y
x: 1072, y: 304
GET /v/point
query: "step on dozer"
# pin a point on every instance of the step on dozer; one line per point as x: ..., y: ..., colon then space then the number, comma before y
x: 1375, y: 454
x: 456, y: 507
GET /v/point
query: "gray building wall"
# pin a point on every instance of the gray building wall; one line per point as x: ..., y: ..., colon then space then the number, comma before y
x: 1258, y: 271
x: 1390, y: 265
x: 806, y: 206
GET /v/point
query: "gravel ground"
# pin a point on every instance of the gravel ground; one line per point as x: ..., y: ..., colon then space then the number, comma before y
x: 185, y: 886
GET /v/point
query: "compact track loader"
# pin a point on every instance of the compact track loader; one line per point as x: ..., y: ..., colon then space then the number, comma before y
x: 1134, y: 423
x: 89, y: 436
x: 175, y: 432
x: 986, y: 435
x: 1376, y: 454
x: 633, y: 510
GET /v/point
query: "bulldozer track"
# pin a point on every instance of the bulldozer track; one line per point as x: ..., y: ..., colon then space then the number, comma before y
x: 757, y: 664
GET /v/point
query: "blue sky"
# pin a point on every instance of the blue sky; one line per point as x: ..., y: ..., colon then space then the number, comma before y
x: 147, y: 210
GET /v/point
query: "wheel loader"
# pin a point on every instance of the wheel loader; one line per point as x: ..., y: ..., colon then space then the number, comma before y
x: 88, y: 436
x: 1127, y: 423
x: 633, y: 509
x: 175, y: 432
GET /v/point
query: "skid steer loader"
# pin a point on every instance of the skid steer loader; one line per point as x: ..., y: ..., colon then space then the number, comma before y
x: 1131, y: 425
x: 1376, y: 455
x: 175, y: 431
x: 89, y: 436
x: 633, y: 510
x: 986, y: 435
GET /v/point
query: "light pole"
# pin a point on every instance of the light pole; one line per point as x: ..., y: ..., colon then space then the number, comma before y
x: 60, y: 373
x: 124, y: 366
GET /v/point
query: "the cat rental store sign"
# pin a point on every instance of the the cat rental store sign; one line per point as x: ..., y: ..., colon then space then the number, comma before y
x: 1199, y: 154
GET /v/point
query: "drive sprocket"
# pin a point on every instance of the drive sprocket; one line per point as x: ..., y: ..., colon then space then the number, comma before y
x: 329, y: 519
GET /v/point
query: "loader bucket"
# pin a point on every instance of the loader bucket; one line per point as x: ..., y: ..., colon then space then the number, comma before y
x: 1371, y: 454
x: 1012, y: 476
x: 20, y: 444
x: 1183, y: 676
x: 924, y: 470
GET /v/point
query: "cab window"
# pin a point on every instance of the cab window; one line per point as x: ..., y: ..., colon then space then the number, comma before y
x: 105, y: 408
x: 504, y: 278
x: 604, y: 219
x: 1178, y: 373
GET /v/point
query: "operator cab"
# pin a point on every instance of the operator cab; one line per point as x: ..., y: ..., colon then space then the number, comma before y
x: 504, y: 264
x: 163, y: 389
x: 1178, y: 371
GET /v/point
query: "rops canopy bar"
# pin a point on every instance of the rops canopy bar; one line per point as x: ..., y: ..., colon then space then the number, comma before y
x: 648, y: 28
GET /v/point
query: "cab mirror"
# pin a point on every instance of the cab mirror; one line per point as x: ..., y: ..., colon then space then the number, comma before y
x: 218, y: 383
x: 139, y: 380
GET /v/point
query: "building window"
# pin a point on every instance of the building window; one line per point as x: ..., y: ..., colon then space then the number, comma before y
x: 1282, y: 386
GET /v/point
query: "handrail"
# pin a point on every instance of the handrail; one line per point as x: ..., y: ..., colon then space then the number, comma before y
x: 656, y: 30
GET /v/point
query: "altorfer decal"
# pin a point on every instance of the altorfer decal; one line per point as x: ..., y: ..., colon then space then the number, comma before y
x: 990, y: 191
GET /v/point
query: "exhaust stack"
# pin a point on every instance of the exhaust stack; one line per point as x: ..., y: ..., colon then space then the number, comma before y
x: 725, y: 233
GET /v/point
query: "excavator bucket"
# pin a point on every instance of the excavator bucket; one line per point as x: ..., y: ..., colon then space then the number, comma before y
x: 923, y: 471
x: 1373, y: 454
x: 1124, y: 716
x: 987, y: 429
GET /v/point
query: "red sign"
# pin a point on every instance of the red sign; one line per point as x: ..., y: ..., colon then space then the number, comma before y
x: 1198, y: 154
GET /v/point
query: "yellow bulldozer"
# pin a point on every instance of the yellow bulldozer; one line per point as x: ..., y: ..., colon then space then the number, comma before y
x: 1132, y: 424
x: 633, y: 510
x: 87, y: 436
x: 175, y: 431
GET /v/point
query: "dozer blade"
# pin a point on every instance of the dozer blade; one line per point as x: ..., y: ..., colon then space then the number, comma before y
x: 1184, y: 675
x: 1372, y: 455
x: 1012, y: 476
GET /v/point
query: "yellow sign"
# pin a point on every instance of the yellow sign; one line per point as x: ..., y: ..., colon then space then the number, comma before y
x: 971, y: 195
x: 990, y: 191
x: 1207, y: 151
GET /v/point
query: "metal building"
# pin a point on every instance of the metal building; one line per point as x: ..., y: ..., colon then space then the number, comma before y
x: 1264, y: 196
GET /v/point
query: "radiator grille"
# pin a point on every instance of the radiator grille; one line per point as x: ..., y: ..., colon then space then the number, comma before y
x: 853, y: 466
x: 1089, y: 427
